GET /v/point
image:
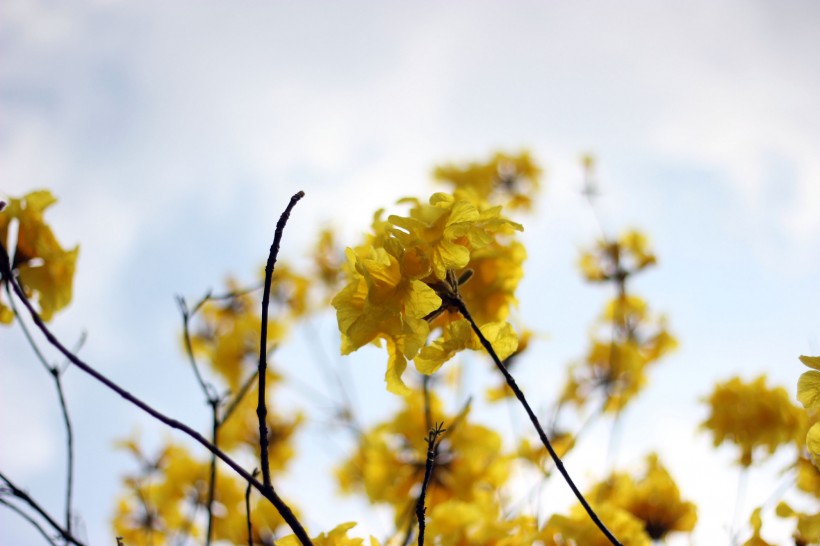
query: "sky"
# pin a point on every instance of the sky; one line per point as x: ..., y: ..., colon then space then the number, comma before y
x: 174, y: 135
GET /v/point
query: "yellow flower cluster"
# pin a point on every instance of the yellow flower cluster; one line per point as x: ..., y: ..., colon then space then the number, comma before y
x: 44, y: 268
x: 506, y: 179
x: 402, y: 284
x: 653, y: 498
x: 616, y: 260
x: 478, y: 523
x: 164, y: 502
x: 753, y: 416
x: 389, y: 462
x: 226, y: 332
x: 627, y: 341
x: 336, y: 537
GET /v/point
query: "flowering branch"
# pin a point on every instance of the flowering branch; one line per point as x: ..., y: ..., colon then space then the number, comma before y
x: 266, y: 490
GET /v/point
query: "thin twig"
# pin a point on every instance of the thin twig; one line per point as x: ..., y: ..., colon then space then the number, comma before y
x: 55, y: 372
x: 243, y: 390
x: 261, y: 409
x: 213, y: 401
x: 22, y: 495
x: 267, y: 490
x: 206, y: 388
x: 212, y: 475
x: 459, y: 304
x: 248, y: 510
x: 432, y: 449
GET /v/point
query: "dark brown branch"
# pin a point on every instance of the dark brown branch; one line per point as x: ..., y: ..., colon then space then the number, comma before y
x: 261, y: 409
x: 267, y: 491
x: 432, y: 449
x: 23, y: 496
x: 459, y: 304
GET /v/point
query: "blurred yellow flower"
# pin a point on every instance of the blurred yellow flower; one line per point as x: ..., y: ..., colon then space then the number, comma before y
x: 756, y: 522
x: 616, y: 260
x: 626, y: 342
x: 753, y: 416
x: 336, y: 537
x: 226, y: 333
x: 45, y: 270
x: 578, y: 529
x: 506, y: 179
x: 654, y: 498
x: 389, y: 462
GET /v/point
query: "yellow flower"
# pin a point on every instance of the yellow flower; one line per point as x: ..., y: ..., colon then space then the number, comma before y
x: 457, y: 336
x: 241, y: 430
x: 226, y: 333
x: 653, y: 498
x: 808, y: 525
x: 440, y: 236
x: 380, y: 303
x: 753, y: 416
x: 617, y: 367
x: 389, y: 461
x: 808, y: 393
x: 477, y: 523
x: 496, y: 271
x: 756, y: 523
x: 336, y: 537
x: 44, y: 268
x: 328, y: 258
x: 578, y: 528
x: 616, y: 260
x: 509, y: 180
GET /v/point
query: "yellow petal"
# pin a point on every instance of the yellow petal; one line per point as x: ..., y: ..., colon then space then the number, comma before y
x: 396, y: 364
x: 808, y: 389
x: 811, y: 361
x: 813, y: 443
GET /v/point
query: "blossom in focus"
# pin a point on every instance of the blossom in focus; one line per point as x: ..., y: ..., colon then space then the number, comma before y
x: 753, y: 416
x: 45, y: 270
x: 401, y: 284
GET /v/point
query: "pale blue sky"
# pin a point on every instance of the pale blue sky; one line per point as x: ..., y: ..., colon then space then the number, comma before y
x: 174, y: 135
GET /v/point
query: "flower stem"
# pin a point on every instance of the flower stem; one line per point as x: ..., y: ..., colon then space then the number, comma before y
x: 541, y: 434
